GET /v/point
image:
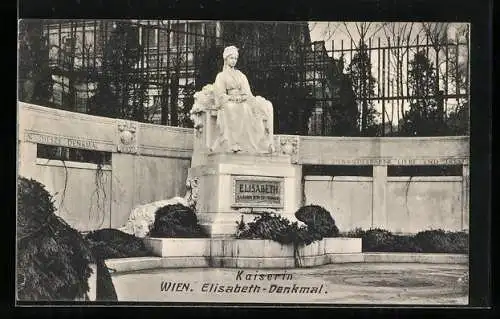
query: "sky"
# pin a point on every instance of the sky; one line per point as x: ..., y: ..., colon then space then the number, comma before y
x: 331, y: 30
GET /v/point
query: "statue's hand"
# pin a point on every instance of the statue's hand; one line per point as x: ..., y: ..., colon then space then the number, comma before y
x: 237, y: 98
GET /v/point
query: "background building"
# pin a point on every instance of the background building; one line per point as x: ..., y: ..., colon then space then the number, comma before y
x: 149, y: 70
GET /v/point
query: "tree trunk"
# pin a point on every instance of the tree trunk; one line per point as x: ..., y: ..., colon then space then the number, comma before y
x: 174, y: 97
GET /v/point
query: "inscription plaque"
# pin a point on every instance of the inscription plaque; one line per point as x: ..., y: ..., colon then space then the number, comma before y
x: 60, y: 141
x: 263, y: 192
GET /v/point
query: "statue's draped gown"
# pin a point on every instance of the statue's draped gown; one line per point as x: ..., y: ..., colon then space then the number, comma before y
x: 244, y: 126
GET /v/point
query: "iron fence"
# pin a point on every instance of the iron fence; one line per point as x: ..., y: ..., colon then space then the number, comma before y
x: 149, y: 71
x: 391, y: 65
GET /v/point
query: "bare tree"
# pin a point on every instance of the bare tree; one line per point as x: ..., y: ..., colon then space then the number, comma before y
x: 360, y: 34
x: 437, y: 33
x: 458, y: 60
x: 458, y: 117
x: 329, y: 29
x: 399, y: 37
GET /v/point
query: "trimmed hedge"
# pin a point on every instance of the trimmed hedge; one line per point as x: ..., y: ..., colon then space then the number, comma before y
x: 276, y: 228
x: 435, y: 241
x: 113, y: 243
x: 318, y: 224
x: 318, y: 220
x: 176, y: 221
x: 429, y: 241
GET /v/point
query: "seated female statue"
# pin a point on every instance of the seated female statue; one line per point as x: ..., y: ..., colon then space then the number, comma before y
x: 245, y: 121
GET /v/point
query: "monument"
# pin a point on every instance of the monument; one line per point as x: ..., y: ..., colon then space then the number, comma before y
x: 238, y: 166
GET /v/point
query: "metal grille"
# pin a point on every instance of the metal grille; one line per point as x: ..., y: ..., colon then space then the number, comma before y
x: 153, y: 68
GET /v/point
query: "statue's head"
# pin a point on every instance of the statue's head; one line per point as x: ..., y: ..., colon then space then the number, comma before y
x: 230, y: 56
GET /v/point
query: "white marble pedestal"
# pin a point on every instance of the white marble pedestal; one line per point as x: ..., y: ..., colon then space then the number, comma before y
x: 231, y: 185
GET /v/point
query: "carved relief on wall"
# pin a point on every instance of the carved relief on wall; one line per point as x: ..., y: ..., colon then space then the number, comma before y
x: 288, y: 145
x: 127, y: 136
x: 192, y: 185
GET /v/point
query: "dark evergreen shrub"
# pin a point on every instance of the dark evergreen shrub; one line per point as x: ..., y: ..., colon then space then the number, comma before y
x: 318, y: 220
x: 278, y: 228
x: 404, y: 243
x: 267, y: 226
x: 429, y: 241
x: 460, y: 242
x: 377, y: 240
x: 438, y: 241
x: 355, y: 233
x: 52, y: 257
x: 113, y: 243
x: 105, y: 290
x: 176, y: 221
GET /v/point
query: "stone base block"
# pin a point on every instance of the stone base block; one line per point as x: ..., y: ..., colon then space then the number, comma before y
x: 248, y: 248
x: 120, y: 265
x: 253, y: 262
x: 226, y: 189
x: 178, y: 247
x: 123, y: 265
x: 342, y: 245
x: 219, y: 225
x: 248, y: 159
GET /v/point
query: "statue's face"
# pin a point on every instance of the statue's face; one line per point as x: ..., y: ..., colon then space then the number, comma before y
x: 231, y: 60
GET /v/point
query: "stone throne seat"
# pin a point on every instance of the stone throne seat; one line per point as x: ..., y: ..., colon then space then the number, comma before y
x: 204, y: 117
